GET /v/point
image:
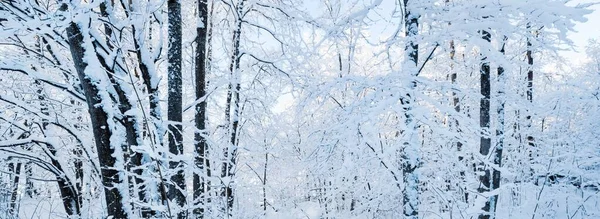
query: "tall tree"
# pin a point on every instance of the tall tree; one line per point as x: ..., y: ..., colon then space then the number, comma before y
x: 149, y: 77
x: 529, y: 93
x: 201, y: 184
x: 367, y: 136
x: 484, y: 124
x: 100, y: 121
x: 14, y: 195
x: 88, y: 69
x: 70, y: 191
x: 232, y: 111
x: 499, y: 147
x: 175, y: 104
x: 454, y: 122
x: 410, y: 152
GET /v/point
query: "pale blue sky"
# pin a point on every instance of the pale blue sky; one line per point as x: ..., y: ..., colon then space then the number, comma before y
x: 587, y: 30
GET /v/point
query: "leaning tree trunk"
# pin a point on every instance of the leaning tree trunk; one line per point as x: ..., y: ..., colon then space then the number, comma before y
x: 70, y: 192
x: 111, y: 180
x: 68, y: 195
x: 130, y: 122
x: 101, y: 108
x: 175, y: 103
x: 200, y: 179
x: 410, y: 153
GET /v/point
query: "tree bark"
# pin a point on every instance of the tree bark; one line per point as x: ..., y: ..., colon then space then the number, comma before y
x: 410, y: 153
x: 14, y: 210
x: 155, y: 116
x: 175, y: 103
x: 484, y: 123
x: 529, y: 93
x: 131, y: 123
x: 232, y: 112
x: 200, y: 180
x: 264, y: 183
x: 99, y: 118
x: 497, y: 153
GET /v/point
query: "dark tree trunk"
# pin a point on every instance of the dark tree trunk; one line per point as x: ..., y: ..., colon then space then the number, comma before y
x: 151, y: 85
x: 497, y: 153
x: 456, y: 124
x: 14, y: 211
x: 484, y: 123
x: 264, y: 183
x: 99, y: 118
x: 410, y: 152
x: 200, y: 180
x: 69, y: 192
x: 132, y: 159
x: 529, y: 71
x: 29, y: 187
x: 232, y: 112
x: 175, y: 103
x: 529, y: 92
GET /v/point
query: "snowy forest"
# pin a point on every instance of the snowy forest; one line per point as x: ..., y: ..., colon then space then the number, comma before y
x: 308, y: 109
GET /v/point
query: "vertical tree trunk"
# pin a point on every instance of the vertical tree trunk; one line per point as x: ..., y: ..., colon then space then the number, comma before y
x: 175, y: 103
x: 29, y: 187
x: 455, y: 99
x: 497, y: 153
x: 151, y: 84
x: 14, y: 210
x: 529, y: 92
x: 484, y: 123
x: 264, y: 184
x: 410, y: 153
x: 200, y: 179
x: 232, y: 112
x: 69, y: 192
x: 456, y: 124
x: 133, y: 133
x: 529, y: 72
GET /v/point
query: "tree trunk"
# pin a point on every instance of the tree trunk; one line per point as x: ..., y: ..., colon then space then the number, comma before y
x: 410, y: 153
x: 497, y: 154
x: 232, y: 112
x: 14, y: 210
x: 151, y: 84
x: 484, y: 123
x: 264, y: 183
x: 529, y: 92
x: 125, y: 104
x: 99, y: 118
x: 200, y: 180
x: 175, y: 103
